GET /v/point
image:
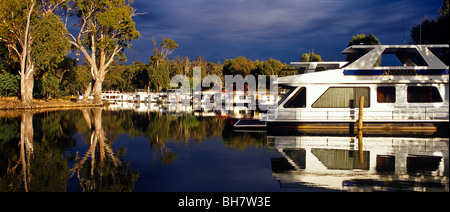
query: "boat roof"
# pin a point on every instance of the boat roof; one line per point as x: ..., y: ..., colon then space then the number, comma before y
x: 391, y: 48
x: 408, y: 55
x: 317, y: 66
x: 336, y: 64
x: 416, y: 60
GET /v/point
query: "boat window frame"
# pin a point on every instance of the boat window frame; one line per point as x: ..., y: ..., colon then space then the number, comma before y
x: 292, y: 102
x: 285, y: 96
x: 392, y: 95
x: 408, y: 57
x: 418, y: 96
x: 353, y: 103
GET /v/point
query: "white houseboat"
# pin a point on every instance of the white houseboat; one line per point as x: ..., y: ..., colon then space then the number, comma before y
x: 111, y: 96
x: 412, y: 96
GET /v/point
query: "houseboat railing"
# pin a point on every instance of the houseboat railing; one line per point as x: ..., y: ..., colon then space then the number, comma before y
x: 425, y: 114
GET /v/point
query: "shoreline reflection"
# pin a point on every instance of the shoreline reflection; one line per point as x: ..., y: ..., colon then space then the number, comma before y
x: 381, y: 164
x: 94, y: 150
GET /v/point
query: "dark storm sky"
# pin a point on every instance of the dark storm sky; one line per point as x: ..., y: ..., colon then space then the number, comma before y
x: 281, y: 29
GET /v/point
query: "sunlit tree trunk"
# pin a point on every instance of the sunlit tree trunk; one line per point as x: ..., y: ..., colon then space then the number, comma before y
x: 26, y: 64
x: 98, y: 89
x: 26, y: 88
x: 87, y: 93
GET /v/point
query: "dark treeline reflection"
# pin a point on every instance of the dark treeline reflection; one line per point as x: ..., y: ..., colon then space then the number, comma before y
x: 41, y: 151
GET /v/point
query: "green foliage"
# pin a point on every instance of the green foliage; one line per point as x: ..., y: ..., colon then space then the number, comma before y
x: 109, y: 22
x: 9, y: 84
x: 35, y: 37
x: 106, y: 28
x: 310, y: 57
x: 269, y: 67
x: 127, y: 78
x: 239, y: 65
x: 50, y: 41
x: 47, y: 86
x: 160, y: 77
x: 434, y: 32
x: 9, y: 133
x: 116, y: 19
x: 57, y: 80
x: 13, y: 15
x: 5, y: 61
x: 168, y: 44
x: 363, y: 39
x: 162, y: 51
x: 244, y: 67
x: 140, y: 77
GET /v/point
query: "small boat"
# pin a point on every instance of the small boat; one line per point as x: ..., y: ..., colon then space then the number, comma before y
x: 251, y: 124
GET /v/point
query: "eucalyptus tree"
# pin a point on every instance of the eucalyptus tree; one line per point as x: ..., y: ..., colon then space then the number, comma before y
x: 166, y: 47
x: 35, y: 37
x: 105, y: 29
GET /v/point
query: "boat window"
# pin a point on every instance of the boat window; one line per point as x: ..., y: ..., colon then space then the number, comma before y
x: 423, y: 94
x: 386, y: 94
x: 343, y: 97
x: 354, y: 54
x: 286, y: 91
x: 422, y: 163
x: 402, y: 57
x: 442, y: 54
x: 298, y: 100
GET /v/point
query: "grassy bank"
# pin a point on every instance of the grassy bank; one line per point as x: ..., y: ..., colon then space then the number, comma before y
x: 12, y: 103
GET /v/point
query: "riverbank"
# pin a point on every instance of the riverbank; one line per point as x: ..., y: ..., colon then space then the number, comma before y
x: 15, y: 104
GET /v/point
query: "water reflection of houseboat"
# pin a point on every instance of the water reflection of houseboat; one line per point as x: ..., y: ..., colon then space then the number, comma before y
x: 413, y: 96
x: 232, y: 112
x: 370, y: 164
x: 141, y: 95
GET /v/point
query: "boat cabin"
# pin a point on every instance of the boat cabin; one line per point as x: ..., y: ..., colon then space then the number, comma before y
x: 415, y: 92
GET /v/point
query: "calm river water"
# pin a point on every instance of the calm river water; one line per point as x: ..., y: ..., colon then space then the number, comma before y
x: 131, y: 150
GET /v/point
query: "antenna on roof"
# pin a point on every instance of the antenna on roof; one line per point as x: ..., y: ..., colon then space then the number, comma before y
x: 420, y: 32
x: 403, y: 28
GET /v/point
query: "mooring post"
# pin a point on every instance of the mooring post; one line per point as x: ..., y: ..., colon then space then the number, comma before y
x: 361, y: 106
x: 360, y: 146
x: 360, y: 128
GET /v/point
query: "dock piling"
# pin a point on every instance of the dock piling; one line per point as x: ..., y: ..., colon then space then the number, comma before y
x: 360, y: 118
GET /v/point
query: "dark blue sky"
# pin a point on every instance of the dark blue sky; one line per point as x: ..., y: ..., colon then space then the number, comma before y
x: 279, y: 29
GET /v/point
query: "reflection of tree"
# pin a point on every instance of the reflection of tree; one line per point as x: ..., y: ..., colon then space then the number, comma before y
x: 100, y: 169
x: 242, y: 140
x: 161, y: 129
x: 26, y: 149
x: 34, y: 166
x: 166, y: 155
x: 165, y: 128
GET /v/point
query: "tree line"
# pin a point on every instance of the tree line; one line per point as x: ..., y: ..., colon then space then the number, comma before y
x: 37, y: 39
x: 35, y: 43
